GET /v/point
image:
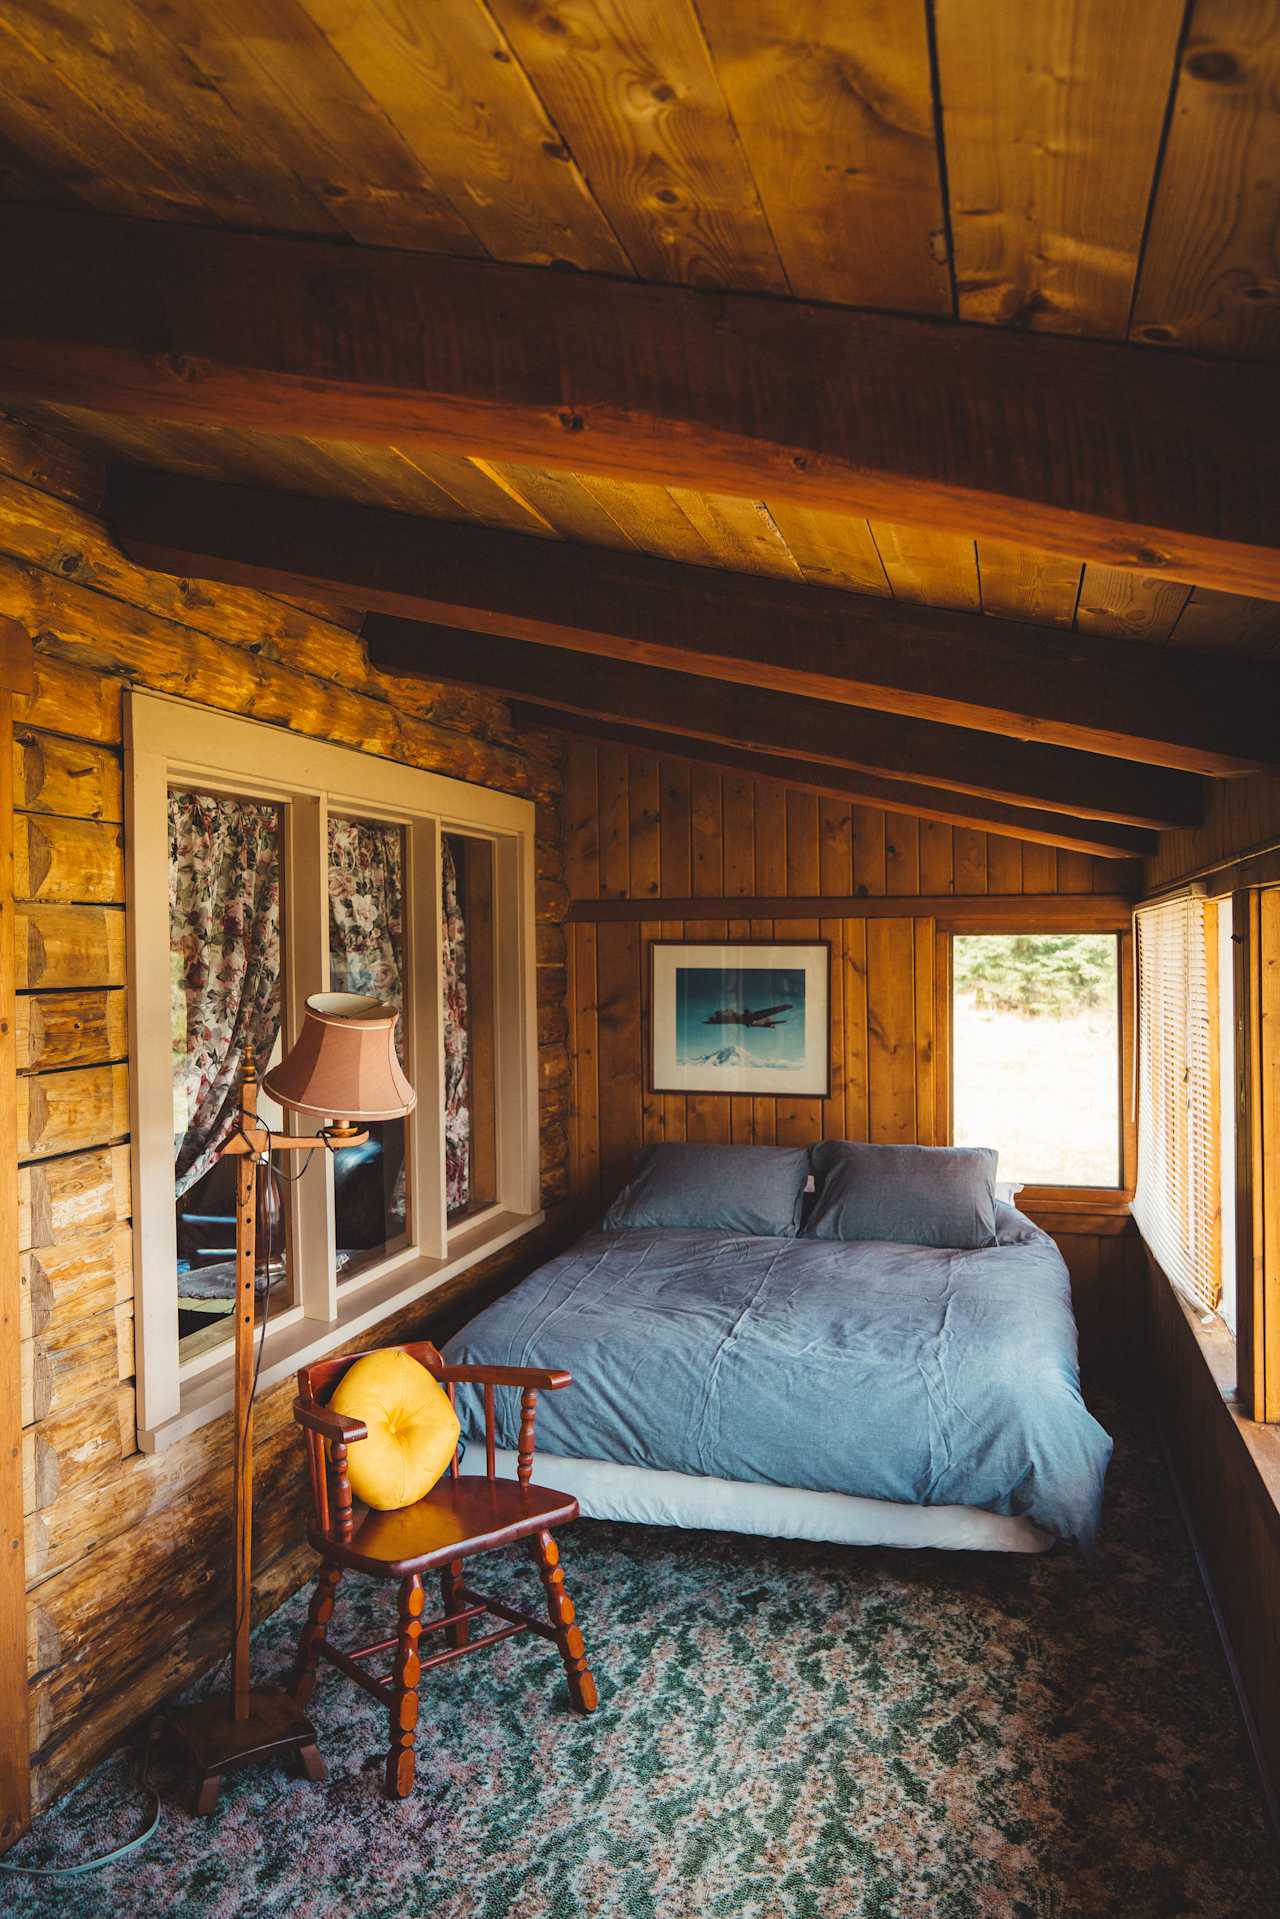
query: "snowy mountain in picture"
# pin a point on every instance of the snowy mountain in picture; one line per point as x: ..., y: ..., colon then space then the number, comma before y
x: 732, y: 1056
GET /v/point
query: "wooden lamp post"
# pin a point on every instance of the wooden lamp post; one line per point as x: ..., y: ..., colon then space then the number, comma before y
x: 343, y: 1069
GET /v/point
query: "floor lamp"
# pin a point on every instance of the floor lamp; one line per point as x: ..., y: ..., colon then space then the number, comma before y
x: 343, y: 1071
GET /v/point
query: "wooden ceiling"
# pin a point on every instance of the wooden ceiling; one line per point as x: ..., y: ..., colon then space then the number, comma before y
x: 1103, y: 169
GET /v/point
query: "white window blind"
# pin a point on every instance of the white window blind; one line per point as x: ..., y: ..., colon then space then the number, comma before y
x: 1177, y: 1204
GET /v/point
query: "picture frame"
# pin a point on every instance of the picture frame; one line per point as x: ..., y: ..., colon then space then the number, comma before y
x: 740, y: 1017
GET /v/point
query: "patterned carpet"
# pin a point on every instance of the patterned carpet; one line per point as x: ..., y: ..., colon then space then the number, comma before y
x: 785, y: 1732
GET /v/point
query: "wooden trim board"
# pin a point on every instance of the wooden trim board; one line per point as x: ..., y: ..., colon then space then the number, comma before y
x: 979, y: 912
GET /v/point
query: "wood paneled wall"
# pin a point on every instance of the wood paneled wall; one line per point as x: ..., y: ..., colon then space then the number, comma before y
x: 643, y: 828
x: 1239, y: 814
x: 127, y: 1553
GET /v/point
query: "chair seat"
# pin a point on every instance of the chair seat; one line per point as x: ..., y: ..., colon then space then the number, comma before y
x: 460, y: 1516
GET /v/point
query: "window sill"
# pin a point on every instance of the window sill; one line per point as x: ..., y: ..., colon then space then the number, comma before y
x: 212, y: 1394
x: 1217, y: 1349
x: 1100, y: 1210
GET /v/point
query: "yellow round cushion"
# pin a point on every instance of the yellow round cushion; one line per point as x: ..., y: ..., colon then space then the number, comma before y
x: 413, y: 1429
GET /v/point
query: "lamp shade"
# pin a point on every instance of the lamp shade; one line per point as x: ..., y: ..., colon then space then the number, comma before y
x: 344, y: 1064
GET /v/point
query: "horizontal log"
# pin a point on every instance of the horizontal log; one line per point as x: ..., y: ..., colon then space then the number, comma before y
x: 1047, y: 912
x: 65, y: 1112
x: 85, y: 627
x: 1103, y: 838
x: 56, y: 775
x: 74, y: 546
x: 60, y: 1369
x: 888, y: 745
x: 69, y: 946
x: 1096, y: 450
x: 67, y: 860
x: 70, y: 1449
x: 70, y: 1029
x: 1102, y: 694
x: 77, y: 700
x: 61, y: 1200
x: 63, y: 1285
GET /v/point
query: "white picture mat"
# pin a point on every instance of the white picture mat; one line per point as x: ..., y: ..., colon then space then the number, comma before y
x: 809, y: 1079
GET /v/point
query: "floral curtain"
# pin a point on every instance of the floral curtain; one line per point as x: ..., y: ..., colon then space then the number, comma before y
x: 366, y: 911
x: 457, y: 1079
x: 224, y: 957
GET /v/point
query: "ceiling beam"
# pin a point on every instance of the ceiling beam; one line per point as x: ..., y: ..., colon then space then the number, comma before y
x: 886, y: 744
x: 1106, y: 695
x: 1094, y: 449
x: 1099, y: 837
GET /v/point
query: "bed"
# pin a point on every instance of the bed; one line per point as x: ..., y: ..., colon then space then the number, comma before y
x: 863, y: 1392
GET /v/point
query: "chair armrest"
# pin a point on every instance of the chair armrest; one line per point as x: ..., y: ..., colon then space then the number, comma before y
x: 527, y: 1376
x: 328, y: 1424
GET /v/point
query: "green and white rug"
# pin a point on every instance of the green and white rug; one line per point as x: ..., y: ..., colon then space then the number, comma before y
x: 785, y: 1732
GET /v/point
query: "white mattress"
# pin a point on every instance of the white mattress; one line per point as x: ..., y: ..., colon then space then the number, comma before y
x: 644, y: 1496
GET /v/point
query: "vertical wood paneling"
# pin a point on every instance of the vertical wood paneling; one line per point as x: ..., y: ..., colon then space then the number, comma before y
x: 613, y: 783
x: 665, y: 828
x: 739, y: 835
x: 868, y: 852
x: 618, y: 1051
x: 891, y: 1030
x: 771, y: 840
x: 707, y: 833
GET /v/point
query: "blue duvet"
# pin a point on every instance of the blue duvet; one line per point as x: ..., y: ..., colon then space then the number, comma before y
x: 895, y: 1372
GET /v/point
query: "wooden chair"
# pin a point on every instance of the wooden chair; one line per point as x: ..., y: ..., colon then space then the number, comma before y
x: 462, y: 1516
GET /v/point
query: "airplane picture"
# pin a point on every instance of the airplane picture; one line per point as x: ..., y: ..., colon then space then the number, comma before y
x: 762, y: 1019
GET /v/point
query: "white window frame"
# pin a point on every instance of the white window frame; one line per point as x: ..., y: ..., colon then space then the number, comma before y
x: 176, y: 742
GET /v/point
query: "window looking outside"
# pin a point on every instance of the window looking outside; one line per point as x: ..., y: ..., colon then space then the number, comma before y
x: 1178, y: 1204
x: 225, y: 946
x: 1036, y: 1054
x: 264, y: 867
x: 366, y: 955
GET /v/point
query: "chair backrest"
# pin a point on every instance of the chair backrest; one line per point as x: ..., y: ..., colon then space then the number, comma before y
x: 318, y: 1380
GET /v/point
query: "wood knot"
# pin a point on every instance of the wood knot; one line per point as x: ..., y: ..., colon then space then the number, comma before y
x: 556, y: 150
x: 1215, y: 64
x: 572, y: 422
x: 1160, y: 334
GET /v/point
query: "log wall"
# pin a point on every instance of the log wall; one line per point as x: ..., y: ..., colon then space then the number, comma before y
x: 127, y: 1553
x: 643, y: 828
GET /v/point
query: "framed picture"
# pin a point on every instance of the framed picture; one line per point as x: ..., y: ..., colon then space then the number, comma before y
x: 741, y: 1017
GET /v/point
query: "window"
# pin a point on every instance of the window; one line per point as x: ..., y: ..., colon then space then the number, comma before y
x: 1036, y: 1054
x: 263, y: 868
x: 1180, y: 1174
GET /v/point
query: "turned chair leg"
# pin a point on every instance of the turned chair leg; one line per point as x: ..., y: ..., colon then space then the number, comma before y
x: 450, y: 1590
x: 319, y: 1613
x: 561, y: 1612
x: 404, y: 1678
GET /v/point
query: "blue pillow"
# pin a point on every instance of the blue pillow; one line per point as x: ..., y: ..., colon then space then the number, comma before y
x: 912, y: 1195
x: 756, y: 1190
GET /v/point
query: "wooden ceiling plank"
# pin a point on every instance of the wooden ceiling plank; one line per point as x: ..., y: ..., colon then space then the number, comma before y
x: 1001, y: 676
x: 74, y: 105
x: 1212, y: 622
x: 1210, y: 276
x: 742, y: 534
x: 884, y: 796
x: 474, y: 493
x: 1141, y: 606
x: 564, y: 502
x: 1017, y: 583
x: 652, y: 519
x: 888, y: 744
x: 299, y: 104
x: 834, y: 107
x: 630, y: 86
x: 831, y: 549
x: 933, y: 569
x: 1052, y: 118
x: 1109, y: 453
x: 447, y: 82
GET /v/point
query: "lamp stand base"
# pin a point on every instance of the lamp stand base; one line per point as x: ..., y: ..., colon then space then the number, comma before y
x: 218, y: 1743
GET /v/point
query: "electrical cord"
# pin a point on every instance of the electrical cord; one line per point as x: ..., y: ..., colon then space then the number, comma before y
x: 134, y: 1845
